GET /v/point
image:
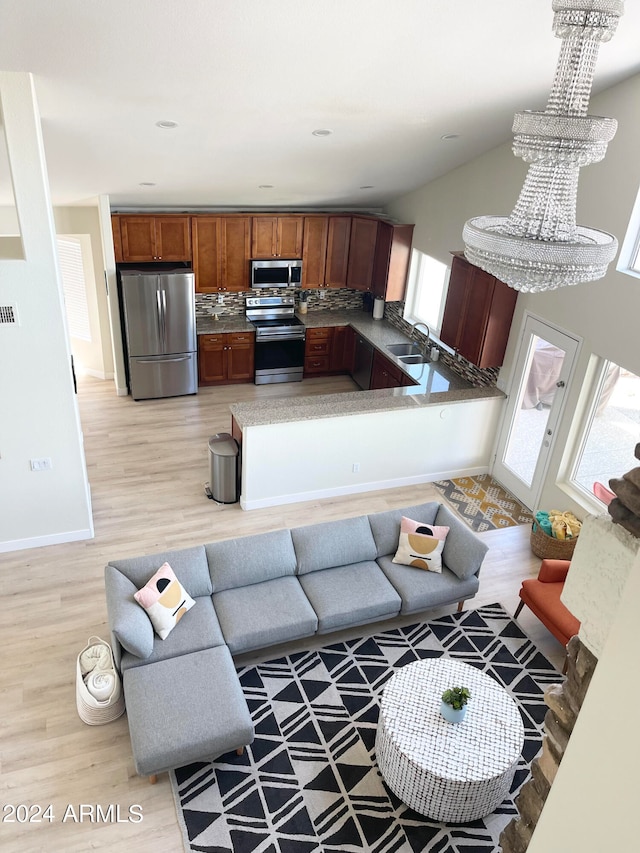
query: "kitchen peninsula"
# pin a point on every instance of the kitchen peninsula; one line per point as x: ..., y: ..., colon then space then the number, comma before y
x: 304, y: 448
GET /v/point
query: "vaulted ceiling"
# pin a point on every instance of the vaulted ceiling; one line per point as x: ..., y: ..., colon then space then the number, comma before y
x: 248, y: 81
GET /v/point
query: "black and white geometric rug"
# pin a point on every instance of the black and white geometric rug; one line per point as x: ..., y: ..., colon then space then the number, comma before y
x: 309, y: 783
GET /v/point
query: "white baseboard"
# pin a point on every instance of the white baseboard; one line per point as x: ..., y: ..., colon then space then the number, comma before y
x: 97, y: 374
x: 339, y: 491
x: 51, y: 539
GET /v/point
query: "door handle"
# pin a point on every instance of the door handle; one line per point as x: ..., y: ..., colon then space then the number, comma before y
x: 560, y: 384
x: 163, y: 360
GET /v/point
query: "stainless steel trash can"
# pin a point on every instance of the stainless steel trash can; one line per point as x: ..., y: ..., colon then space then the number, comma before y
x: 223, y: 468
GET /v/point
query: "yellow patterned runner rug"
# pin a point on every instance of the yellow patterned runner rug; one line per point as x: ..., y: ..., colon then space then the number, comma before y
x: 483, y: 503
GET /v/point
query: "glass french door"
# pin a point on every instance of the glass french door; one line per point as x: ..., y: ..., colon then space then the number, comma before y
x: 544, y: 366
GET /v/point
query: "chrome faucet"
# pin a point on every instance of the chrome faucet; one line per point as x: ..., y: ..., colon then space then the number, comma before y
x: 425, y: 349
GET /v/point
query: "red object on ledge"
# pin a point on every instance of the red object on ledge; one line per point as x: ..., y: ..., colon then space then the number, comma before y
x: 542, y: 597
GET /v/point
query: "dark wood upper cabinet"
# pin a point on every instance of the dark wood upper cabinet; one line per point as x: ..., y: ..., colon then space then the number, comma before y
x: 276, y: 236
x: 325, y: 255
x: 477, y: 314
x: 117, y: 238
x: 314, y: 250
x: 391, y: 266
x: 155, y: 238
x: 220, y: 253
x: 337, y: 262
x: 362, y: 249
x: 235, y: 236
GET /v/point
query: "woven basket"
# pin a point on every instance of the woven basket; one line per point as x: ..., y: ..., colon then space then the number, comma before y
x: 93, y: 711
x: 548, y: 548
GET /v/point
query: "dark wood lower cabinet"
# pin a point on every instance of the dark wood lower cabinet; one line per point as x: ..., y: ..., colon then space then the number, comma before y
x: 226, y: 358
x: 386, y: 374
x: 317, y: 351
x: 329, y: 350
x: 342, y: 350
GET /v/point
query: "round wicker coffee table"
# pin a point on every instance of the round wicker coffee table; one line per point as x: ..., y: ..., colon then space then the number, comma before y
x: 448, y: 772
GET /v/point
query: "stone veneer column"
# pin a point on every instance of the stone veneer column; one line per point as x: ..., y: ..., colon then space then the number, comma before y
x: 564, y: 701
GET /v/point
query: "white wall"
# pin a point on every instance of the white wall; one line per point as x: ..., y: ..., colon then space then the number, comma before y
x: 604, y: 313
x: 307, y: 460
x: 39, y: 414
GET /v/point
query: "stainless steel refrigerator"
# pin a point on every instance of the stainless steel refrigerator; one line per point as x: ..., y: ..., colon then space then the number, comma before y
x: 160, y: 330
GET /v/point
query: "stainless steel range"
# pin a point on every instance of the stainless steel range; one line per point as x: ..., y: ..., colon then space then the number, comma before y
x: 279, y: 339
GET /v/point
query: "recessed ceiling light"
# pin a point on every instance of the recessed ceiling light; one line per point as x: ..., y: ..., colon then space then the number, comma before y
x: 447, y: 136
x: 146, y: 184
x: 265, y: 186
x: 321, y: 132
x: 166, y: 124
x: 367, y: 187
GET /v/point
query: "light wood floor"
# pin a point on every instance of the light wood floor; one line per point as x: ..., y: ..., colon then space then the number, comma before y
x: 147, y: 465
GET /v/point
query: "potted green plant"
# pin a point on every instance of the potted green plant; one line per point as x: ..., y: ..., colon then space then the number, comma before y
x: 454, y: 704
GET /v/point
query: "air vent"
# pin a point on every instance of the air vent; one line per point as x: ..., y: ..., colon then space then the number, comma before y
x: 8, y: 314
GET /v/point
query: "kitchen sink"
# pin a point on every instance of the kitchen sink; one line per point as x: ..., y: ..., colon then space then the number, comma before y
x: 418, y: 358
x: 404, y: 349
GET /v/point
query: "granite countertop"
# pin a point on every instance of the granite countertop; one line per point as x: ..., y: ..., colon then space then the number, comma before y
x: 230, y: 323
x: 435, y: 383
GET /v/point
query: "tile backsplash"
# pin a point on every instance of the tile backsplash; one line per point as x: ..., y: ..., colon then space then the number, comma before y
x: 234, y: 303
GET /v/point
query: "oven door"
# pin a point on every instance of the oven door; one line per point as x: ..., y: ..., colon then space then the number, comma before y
x: 279, y: 360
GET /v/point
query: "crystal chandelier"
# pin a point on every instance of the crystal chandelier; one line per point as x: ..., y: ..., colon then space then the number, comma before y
x: 539, y: 247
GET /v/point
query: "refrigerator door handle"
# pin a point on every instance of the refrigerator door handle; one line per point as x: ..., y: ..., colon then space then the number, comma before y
x: 160, y: 319
x: 162, y: 359
x: 164, y: 320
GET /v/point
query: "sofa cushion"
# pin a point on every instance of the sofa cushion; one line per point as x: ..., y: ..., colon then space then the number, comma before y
x: 274, y: 611
x: 189, y: 564
x: 463, y: 551
x: 385, y: 526
x: 187, y: 709
x: 421, y: 545
x: 250, y: 559
x: 333, y: 543
x: 420, y: 590
x: 165, y: 600
x: 350, y: 595
x: 129, y: 623
x: 199, y: 630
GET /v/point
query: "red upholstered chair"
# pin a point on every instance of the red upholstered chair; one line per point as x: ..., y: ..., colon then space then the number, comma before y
x: 542, y: 597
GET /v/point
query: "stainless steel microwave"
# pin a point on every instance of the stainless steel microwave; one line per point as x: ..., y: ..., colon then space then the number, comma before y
x: 276, y: 273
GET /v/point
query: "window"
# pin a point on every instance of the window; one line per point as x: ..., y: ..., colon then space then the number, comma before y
x: 426, y: 289
x: 73, y: 284
x: 629, y: 258
x: 608, y: 445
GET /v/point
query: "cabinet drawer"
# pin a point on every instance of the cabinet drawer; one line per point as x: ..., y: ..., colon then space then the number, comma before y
x: 241, y: 337
x: 319, y: 334
x: 317, y: 348
x: 316, y: 364
x: 212, y: 339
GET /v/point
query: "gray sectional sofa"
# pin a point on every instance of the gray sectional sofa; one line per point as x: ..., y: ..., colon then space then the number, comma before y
x: 183, y: 699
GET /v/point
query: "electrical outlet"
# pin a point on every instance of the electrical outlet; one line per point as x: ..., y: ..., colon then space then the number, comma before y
x: 220, y: 299
x: 42, y: 464
x: 322, y: 294
x: 356, y: 467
